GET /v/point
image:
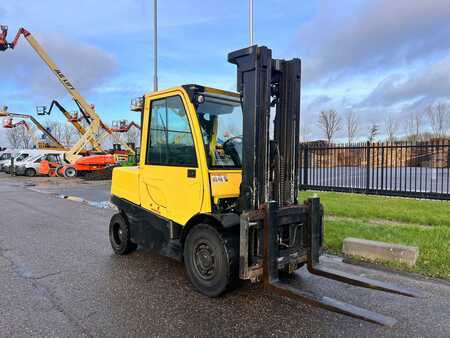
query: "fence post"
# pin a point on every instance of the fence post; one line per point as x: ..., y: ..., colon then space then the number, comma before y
x: 368, y: 167
x: 448, y: 155
x: 305, y: 166
x: 382, y: 166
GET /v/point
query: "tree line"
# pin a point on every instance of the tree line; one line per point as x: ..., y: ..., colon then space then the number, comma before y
x: 22, y: 138
x: 433, y: 123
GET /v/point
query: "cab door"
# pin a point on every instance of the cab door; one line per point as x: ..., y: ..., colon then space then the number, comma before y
x: 171, y: 183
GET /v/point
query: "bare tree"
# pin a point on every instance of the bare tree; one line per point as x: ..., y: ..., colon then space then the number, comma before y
x: 27, y: 139
x: 14, y: 138
x: 330, y: 123
x: 374, y: 130
x: 69, y: 136
x: 391, y: 125
x: 55, y: 128
x: 439, y: 119
x: 352, y: 126
x: 414, y: 126
x: 20, y: 137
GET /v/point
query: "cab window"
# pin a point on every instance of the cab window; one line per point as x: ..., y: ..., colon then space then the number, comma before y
x: 21, y: 157
x: 52, y: 158
x: 170, y: 141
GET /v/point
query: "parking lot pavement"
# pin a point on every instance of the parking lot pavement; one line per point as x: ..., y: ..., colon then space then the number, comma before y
x: 58, y: 277
x: 94, y: 191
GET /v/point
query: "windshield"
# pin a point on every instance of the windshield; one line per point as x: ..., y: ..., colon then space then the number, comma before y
x: 21, y: 157
x: 5, y: 156
x: 220, y: 120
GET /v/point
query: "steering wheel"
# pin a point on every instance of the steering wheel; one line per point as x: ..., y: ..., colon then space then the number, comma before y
x: 225, y: 144
x: 231, y: 150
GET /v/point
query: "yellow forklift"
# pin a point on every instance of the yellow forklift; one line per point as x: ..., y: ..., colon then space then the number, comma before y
x: 215, y: 190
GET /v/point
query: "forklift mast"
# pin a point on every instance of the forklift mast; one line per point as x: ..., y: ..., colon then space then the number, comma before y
x: 269, y: 168
x: 276, y: 233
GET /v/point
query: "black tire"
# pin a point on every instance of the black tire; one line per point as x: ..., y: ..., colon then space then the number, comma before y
x: 30, y: 172
x: 70, y: 172
x: 119, y: 236
x: 211, y: 260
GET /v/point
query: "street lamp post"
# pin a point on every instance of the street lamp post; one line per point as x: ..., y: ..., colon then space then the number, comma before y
x: 155, y: 45
x: 250, y: 21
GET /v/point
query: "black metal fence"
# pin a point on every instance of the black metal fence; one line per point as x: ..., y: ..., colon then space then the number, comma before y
x: 420, y: 169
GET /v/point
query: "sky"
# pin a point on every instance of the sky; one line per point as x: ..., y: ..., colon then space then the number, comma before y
x: 377, y: 58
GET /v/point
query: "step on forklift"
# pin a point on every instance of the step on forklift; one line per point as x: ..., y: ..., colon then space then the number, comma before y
x: 215, y: 191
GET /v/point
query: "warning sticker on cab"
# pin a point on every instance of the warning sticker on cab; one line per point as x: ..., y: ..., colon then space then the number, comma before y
x: 219, y: 178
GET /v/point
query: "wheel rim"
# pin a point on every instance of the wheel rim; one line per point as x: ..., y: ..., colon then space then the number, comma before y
x: 70, y: 172
x: 204, y: 260
x: 117, y: 234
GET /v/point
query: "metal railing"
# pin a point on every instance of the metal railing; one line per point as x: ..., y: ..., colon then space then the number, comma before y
x: 420, y: 169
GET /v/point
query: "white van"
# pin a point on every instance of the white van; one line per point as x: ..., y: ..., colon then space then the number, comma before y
x: 30, y: 166
x: 20, y: 156
x: 5, y: 157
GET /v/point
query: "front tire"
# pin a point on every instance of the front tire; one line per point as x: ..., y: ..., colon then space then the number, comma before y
x: 30, y: 172
x: 119, y: 236
x: 211, y: 260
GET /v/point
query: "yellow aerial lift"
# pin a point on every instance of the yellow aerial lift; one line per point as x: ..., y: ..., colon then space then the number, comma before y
x: 8, y: 123
x: 73, y: 119
x: 121, y: 126
x: 72, y: 155
x: 215, y: 191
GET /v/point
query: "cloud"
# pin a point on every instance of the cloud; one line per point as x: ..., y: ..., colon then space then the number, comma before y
x: 316, y: 103
x: 375, y: 35
x: 85, y: 65
x: 426, y: 84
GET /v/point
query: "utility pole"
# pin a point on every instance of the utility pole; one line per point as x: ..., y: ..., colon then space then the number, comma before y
x: 155, y: 45
x: 250, y: 21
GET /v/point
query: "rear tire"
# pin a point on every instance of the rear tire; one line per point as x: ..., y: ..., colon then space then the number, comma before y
x: 30, y: 172
x: 119, y: 236
x: 211, y: 260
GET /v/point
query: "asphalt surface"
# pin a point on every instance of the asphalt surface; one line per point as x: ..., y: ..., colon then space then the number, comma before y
x: 59, y: 277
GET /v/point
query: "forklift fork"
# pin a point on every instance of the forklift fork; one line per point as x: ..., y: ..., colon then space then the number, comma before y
x: 314, y: 230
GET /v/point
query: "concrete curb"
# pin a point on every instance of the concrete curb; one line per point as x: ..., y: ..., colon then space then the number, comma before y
x: 380, y: 251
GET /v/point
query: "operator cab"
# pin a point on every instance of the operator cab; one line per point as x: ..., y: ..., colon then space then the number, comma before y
x: 191, y: 154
